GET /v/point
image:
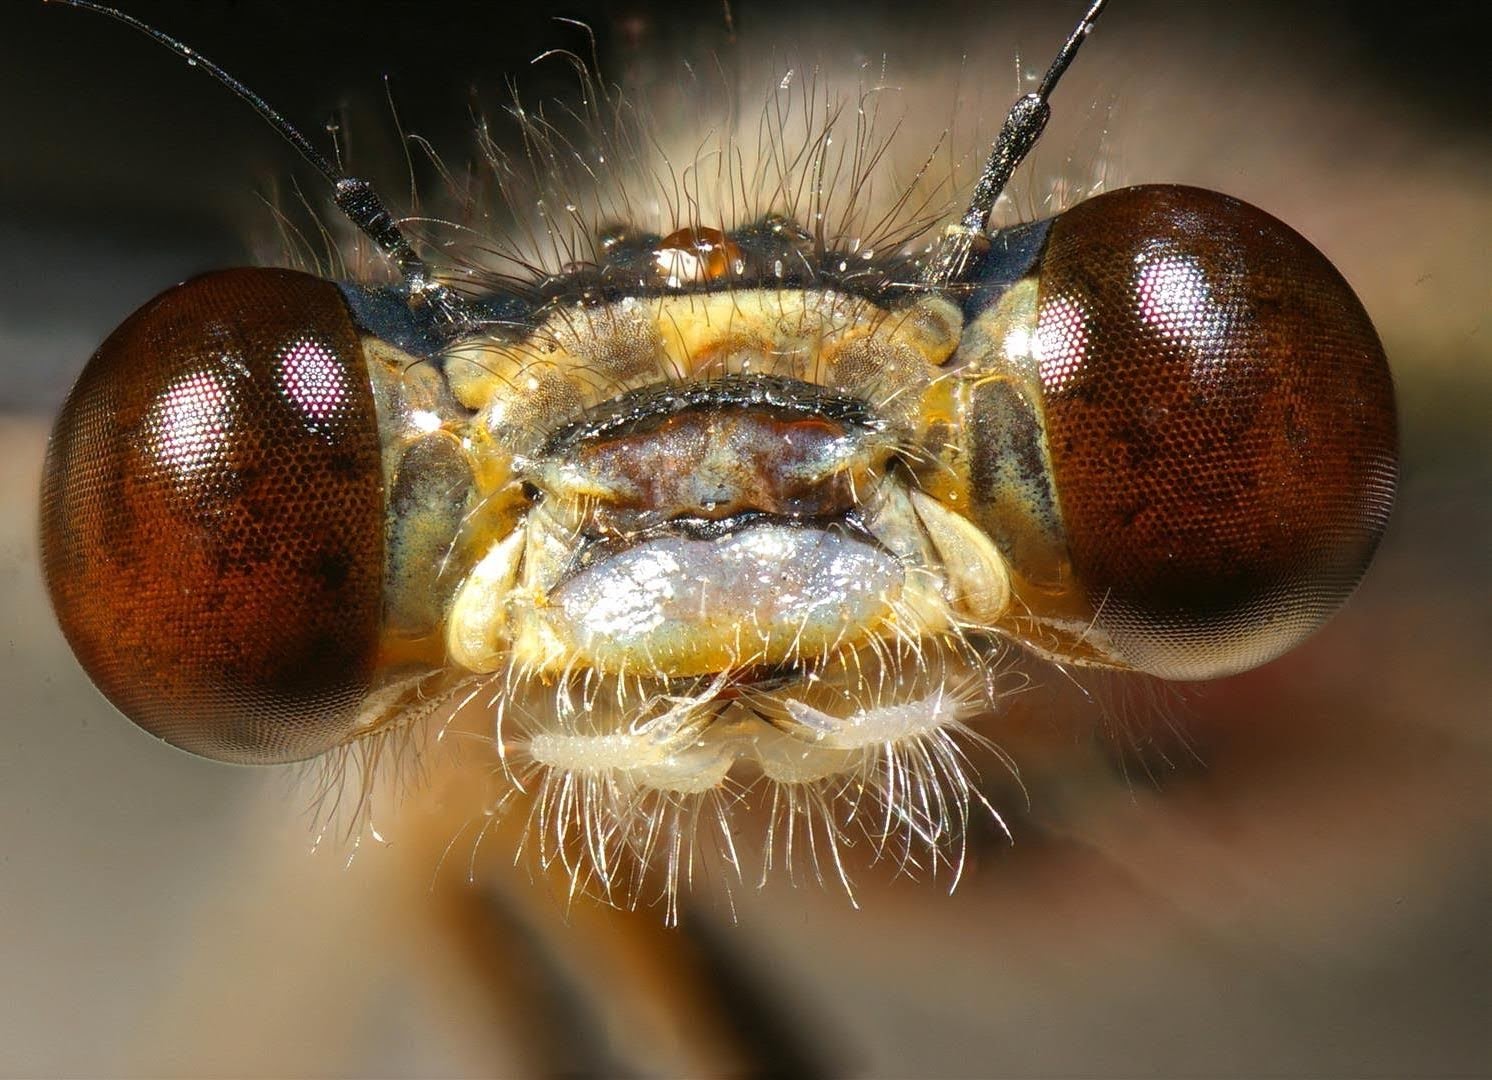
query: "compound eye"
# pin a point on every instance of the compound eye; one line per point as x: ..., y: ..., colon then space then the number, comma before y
x: 212, y: 517
x: 1219, y: 425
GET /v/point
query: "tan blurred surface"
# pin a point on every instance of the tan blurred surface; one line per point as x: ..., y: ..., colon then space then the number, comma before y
x: 1315, y: 901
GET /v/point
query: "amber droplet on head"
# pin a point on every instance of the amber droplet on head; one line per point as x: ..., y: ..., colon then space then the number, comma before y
x: 212, y: 517
x: 696, y: 256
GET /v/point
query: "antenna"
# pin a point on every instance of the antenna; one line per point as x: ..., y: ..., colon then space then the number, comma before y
x: 1023, y: 126
x: 354, y: 196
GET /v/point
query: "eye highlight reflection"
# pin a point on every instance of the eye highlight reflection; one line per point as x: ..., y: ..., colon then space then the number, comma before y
x: 314, y: 381
x: 190, y: 420
x: 1174, y: 298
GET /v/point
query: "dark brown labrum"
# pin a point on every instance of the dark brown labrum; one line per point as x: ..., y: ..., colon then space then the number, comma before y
x: 716, y: 463
x: 212, y: 517
x: 1221, y: 423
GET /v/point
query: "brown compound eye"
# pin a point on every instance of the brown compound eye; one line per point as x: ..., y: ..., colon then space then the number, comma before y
x: 212, y: 517
x: 1219, y: 427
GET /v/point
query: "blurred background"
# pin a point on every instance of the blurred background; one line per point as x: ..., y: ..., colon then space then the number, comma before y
x: 1307, y: 893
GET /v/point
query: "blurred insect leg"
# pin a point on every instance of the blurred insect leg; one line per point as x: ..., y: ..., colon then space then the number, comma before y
x: 296, y: 964
x: 601, y: 991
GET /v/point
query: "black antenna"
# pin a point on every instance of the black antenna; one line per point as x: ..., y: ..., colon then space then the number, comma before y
x: 354, y: 196
x: 1023, y: 126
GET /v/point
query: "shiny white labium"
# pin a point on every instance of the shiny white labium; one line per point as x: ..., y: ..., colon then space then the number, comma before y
x: 768, y: 594
x: 774, y: 591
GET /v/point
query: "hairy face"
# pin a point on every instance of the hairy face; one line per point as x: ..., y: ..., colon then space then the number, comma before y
x: 740, y: 499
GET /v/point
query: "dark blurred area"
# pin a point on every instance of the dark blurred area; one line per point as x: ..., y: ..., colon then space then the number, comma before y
x: 1304, y: 892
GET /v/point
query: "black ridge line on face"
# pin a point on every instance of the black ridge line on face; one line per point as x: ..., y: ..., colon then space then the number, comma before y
x: 645, y: 408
